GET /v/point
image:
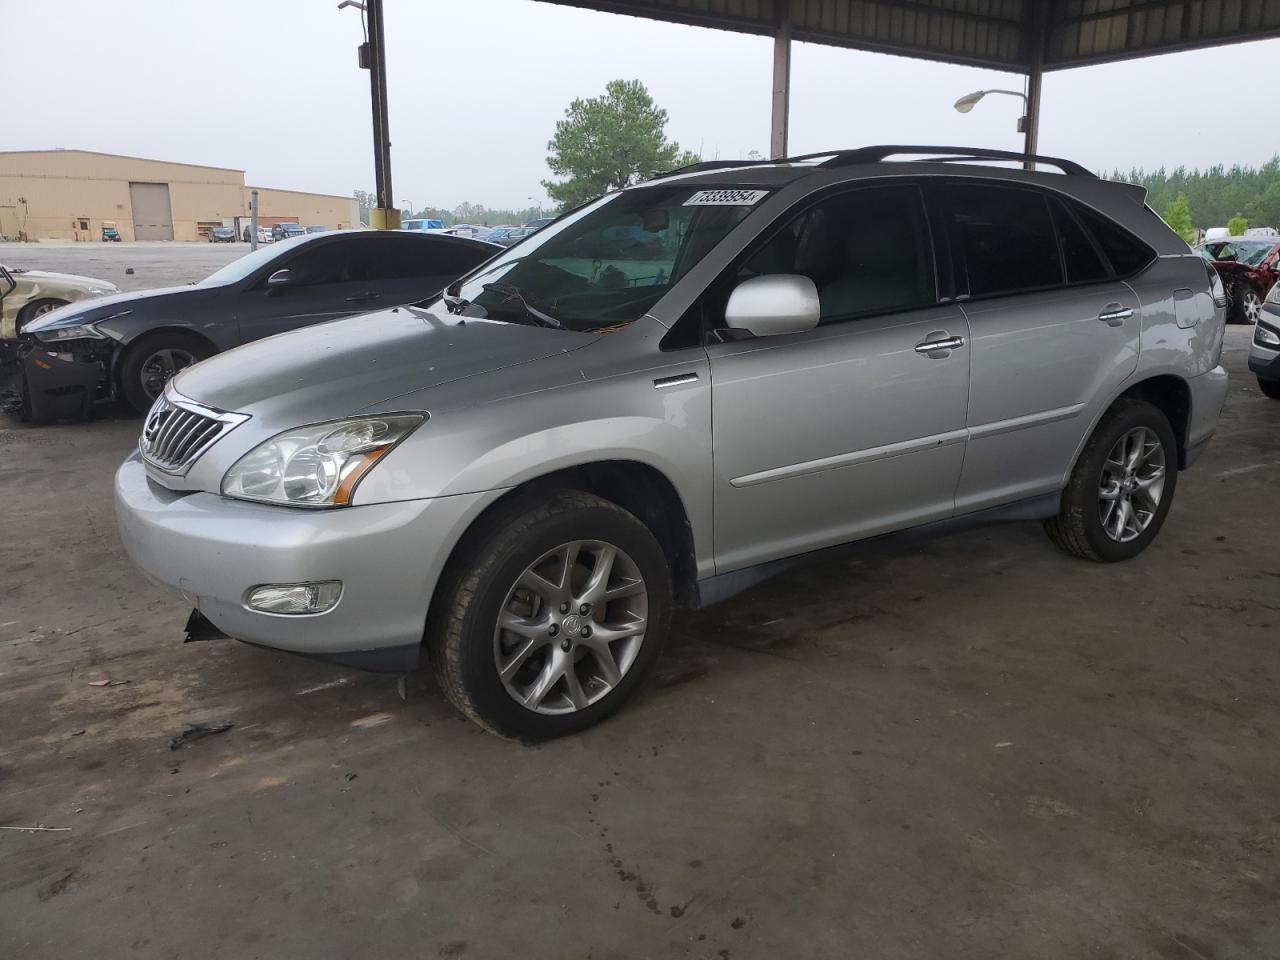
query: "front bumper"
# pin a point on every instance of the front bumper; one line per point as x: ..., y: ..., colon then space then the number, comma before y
x: 1265, y: 360
x: 64, y: 381
x: 210, y: 551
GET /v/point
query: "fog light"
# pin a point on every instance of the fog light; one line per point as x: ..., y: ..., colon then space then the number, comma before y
x: 1265, y: 335
x: 294, y: 598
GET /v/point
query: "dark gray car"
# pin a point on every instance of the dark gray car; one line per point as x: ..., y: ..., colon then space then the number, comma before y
x: 131, y: 344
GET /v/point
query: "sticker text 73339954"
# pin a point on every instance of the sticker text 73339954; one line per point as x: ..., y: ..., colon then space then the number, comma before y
x: 725, y: 198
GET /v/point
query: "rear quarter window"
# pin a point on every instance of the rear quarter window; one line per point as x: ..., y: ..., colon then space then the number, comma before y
x: 1128, y: 254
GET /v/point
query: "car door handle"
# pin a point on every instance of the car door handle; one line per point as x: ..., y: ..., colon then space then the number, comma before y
x: 1115, y: 314
x: 939, y: 345
x: 663, y: 382
x: 364, y: 297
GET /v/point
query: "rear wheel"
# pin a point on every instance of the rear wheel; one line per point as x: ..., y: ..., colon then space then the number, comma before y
x: 153, y: 361
x: 1121, y: 487
x: 1247, y: 306
x: 38, y: 308
x: 550, y: 616
x: 1270, y: 388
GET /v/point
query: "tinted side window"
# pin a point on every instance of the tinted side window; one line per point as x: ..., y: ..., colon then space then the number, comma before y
x: 322, y: 263
x: 1126, y: 252
x: 867, y: 251
x: 451, y: 259
x: 416, y: 258
x: 1081, y: 258
x: 1006, y: 238
x: 398, y: 258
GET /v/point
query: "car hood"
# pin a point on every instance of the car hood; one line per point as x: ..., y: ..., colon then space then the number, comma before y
x: 73, y: 280
x: 338, y: 368
x: 100, y: 308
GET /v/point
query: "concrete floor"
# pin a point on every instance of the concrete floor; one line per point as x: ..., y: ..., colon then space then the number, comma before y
x: 977, y: 747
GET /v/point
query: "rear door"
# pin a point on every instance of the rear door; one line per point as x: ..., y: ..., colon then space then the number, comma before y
x: 853, y: 428
x: 1052, y: 329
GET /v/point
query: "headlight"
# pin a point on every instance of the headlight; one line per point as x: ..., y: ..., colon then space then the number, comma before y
x: 101, y: 291
x: 318, y: 465
x: 79, y: 332
x: 1265, y: 336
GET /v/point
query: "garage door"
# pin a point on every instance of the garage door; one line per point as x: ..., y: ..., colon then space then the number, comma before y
x: 152, y: 219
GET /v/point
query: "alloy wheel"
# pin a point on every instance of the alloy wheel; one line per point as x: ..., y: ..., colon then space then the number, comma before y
x: 44, y: 308
x: 162, y: 366
x: 1131, y: 484
x: 1252, y: 307
x: 571, y: 627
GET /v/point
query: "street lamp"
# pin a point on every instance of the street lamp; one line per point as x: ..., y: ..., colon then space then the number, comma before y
x: 970, y: 100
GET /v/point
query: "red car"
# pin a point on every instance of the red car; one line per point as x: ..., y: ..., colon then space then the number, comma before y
x: 1249, y: 267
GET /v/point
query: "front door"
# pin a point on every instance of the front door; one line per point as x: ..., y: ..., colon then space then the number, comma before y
x: 330, y: 281
x: 856, y: 427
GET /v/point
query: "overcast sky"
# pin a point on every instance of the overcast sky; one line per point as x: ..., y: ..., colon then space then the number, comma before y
x: 476, y: 87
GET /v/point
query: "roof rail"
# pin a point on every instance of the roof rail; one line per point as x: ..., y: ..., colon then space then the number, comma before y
x: 876, y: 154
x: 702, y: 165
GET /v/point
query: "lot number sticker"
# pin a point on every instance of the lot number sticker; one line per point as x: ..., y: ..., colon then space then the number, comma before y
x: 725, y: 198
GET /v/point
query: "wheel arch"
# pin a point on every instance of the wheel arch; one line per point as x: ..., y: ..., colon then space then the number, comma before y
x: 149, y: 334
x: 639, y: 488
x: 1172, y: 396
x: 1168, y: 391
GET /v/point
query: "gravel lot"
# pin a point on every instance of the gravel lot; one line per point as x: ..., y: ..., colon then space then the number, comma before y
x: 975, y: 747
x: 154, y: 264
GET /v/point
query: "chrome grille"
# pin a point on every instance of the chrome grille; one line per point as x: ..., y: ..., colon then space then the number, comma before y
x: 177, y: 431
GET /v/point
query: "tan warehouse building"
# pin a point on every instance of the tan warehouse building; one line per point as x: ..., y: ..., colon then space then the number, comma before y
x: 71, y: 194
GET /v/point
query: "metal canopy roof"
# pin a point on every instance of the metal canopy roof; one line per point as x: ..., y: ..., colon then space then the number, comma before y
x: 1001, y: 34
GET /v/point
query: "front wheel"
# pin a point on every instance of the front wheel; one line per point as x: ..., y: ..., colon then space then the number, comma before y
x: 153, y: 361
x: 550, y: 616
x: 1121, y: 487
x: 37, y: 309
x: 1270, y: 388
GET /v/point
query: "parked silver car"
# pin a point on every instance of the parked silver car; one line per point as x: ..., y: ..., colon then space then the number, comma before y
x: 1264, y: 354
x: 669, y: 394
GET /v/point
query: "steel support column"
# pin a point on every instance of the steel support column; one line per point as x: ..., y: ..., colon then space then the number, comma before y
x: 385, y: 215
x: 1036, y: 39
x: 781, y: 86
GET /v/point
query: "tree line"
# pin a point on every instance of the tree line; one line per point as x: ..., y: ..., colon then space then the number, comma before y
x: 473, y: 213
x: 1195, y: 200
x: 619, y: 138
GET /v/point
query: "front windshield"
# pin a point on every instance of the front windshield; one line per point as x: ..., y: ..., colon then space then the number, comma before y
x: 607, y: 264
x: 237, y: 270
x: 1251, y: 254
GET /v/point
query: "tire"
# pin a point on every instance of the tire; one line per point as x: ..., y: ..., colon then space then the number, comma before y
x: 1078, y: 528
x: 1246, y: 305
x: 465, y: 645
x: 38, y: 308
x: 1270, y: 388
x: 148, y: 353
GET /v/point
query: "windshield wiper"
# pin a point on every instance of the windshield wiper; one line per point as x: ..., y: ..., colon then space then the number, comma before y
x: 512, y: 292
x: 454, y: 304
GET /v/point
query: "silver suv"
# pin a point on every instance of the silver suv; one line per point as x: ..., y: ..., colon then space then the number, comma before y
x: 670, y: 393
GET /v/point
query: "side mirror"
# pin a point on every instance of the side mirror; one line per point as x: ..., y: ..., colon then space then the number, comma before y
x: 774, y: 304
x: 280, y: 280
